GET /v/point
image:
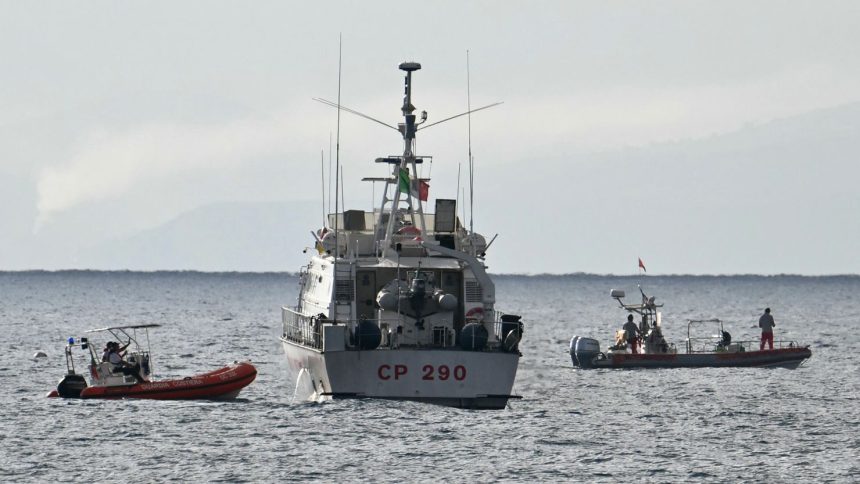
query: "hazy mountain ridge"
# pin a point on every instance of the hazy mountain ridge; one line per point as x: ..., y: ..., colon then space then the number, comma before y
x: 224, y: 236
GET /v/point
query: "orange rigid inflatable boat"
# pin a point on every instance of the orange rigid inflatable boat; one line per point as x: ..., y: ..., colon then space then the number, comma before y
x: 131, y: 379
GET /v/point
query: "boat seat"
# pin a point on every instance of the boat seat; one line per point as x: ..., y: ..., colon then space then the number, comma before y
x: 105, y: 369
x: 621, y: 337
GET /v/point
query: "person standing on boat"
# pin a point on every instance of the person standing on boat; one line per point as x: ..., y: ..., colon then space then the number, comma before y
x: 765, y: 322
x: 632, y: 333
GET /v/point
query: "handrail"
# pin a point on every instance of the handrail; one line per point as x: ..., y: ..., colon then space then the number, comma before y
x: 301, y: 328
x: 308, y: 330
x: 711, y: 344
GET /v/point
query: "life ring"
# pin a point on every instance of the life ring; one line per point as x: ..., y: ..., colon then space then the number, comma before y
x: 409, y: 230
x: 475, y: 313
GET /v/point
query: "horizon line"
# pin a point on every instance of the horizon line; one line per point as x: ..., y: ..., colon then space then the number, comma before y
x: 501, y: 274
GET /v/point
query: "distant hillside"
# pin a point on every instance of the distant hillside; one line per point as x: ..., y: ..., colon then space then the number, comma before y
x: 219, y: 237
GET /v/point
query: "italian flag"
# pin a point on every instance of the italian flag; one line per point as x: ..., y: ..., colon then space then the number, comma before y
x: 419, y: 189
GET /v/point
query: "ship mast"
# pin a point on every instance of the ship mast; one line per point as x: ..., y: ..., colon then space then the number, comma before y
x: 407, y: 130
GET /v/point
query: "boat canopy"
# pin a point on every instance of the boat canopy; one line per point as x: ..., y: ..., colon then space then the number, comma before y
x: 134, y: 326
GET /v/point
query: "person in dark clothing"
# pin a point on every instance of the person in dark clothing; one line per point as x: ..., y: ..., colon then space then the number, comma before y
x: 632, y: 333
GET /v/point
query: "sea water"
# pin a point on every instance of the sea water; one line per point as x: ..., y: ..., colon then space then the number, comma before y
x: 721, y: 425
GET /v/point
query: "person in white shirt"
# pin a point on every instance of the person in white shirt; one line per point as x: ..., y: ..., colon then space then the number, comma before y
x: 765, y: 322
x: 115, y: 358
x: 632, y: 333
x: 107, y: 350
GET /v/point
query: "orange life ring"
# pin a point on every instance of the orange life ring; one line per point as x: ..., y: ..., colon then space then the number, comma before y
x: 475, y: 313
x: 409, y: 230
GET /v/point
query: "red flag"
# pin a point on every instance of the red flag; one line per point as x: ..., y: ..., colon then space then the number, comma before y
x: 642, y: 265
x: 420, y: 189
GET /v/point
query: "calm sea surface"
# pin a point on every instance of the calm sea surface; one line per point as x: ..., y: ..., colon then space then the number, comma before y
x: 714, y: 425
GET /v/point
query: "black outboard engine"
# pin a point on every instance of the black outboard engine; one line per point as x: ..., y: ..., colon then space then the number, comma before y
x: 572, y: 350
x: 71, y: 386
x: 583, y: 351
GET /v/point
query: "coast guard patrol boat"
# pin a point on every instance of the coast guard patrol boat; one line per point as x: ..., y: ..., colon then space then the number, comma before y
x: 396, y: 303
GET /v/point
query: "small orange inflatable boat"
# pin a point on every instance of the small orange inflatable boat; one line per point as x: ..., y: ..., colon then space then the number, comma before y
x: 128, y: 376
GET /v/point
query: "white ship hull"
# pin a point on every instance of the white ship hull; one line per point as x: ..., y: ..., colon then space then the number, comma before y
x: 450, y: 377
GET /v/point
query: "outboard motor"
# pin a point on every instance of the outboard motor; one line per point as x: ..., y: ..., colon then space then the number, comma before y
x: 572, y: 350
x: 583, y: 351
x: 71, y: 386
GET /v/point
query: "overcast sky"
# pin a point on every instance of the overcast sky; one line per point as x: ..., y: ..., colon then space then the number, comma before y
x: 117, y: 117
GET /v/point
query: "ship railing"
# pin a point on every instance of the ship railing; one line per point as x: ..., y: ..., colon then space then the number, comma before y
x: 503, y: 324
x: 754, y: 345
x: 712, y: 344
x: 702, y: 345
x: 302, y: 329
x: 307, y: 330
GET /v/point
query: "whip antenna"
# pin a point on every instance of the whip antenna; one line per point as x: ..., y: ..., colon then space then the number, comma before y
x: 322, y: 179
x: 351, y: 111
x: 337, y: 157
x: 459, y: 168
x: 471, y: 162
